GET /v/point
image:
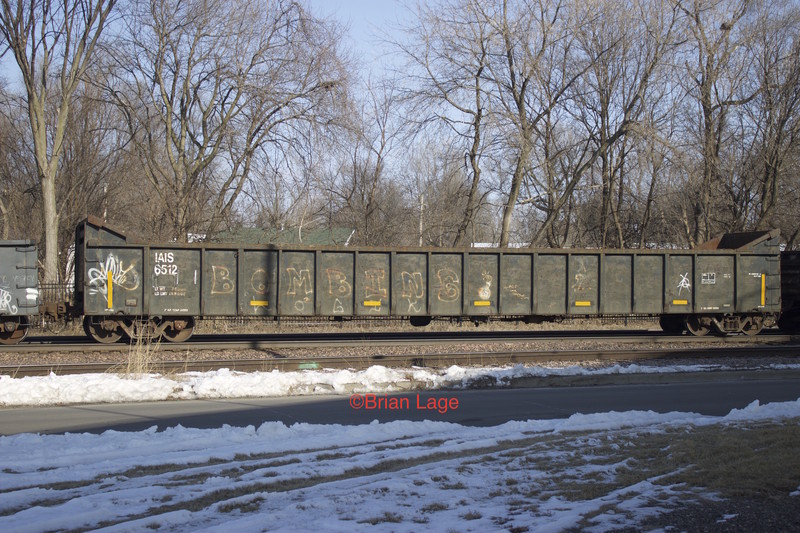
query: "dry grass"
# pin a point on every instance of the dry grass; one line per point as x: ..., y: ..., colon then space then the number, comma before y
x: 734, y: 461
x: 142, y: 355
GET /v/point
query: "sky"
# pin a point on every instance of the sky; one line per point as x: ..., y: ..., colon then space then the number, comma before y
x: 367, y: 20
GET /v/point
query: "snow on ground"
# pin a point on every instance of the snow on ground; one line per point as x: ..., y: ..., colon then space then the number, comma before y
x: 545, y: 475
x: 224, y: 383
x: 397, y: 476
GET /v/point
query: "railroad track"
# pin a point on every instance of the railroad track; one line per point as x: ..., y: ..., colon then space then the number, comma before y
x: 439, y: 360
x: 44, y: 344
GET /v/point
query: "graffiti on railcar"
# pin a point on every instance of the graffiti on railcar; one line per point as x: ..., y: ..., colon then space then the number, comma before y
x: 221, y: 282
x: 375, y: 293
x: 485, y: 290
x: 300, y: 287
x: 684, y: 283
x: 124, y: 277
x: 5, y: 301
x: 258, y: 281
x: 449, y: 285
x: 579, y: 284
x: 513, y: 290
x: 413, y: 291
x: 18, y: 280
x: 338, y: 284
x: 373, y: 284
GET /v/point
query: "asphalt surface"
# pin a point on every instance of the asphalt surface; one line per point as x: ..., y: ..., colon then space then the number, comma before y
x: 482, y: 407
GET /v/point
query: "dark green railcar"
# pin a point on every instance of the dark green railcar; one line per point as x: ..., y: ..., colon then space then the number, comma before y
x: 728, y: 285
x: 19, y: 293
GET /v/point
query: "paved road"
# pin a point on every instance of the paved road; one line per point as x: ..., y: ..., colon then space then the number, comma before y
x: 475, y: 407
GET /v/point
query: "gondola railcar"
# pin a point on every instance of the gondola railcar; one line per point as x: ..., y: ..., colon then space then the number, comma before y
x: 124, y: 287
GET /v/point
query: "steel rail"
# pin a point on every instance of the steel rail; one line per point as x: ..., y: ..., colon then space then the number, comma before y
x: 272, y: 341
x: 399, y: 361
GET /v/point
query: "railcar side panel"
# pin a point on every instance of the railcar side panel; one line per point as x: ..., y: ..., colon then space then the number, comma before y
x: 649, y: 286
x: 175, y: 280
x: 296, y: 285
x: 616, y: 284
x: 714, y: 283
x: 373, y: 281
x: 335, y: 282
x: 757, y: 284
x: 257, y: 286
x: 219, y: 283
x: 19, y: 281
x: 516, y: 284
x: 114, y: 280
x: 409, y: 284
x: 550, y: 284
x: 790, y: 292
x: 678, y: 284
x: 722, y: 284
x: 584, y: 280
x: 445, y: 277
x: 480, y: 291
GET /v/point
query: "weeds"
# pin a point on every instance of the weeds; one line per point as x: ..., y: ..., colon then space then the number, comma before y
x: 142, y: 353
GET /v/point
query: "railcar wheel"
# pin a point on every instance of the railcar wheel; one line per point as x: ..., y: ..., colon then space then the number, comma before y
x: 100, y: 331
x: 672, y: 324
x: 697, y: 325
x: 179, y: 329
x: 419, y: 321
x: 16, y: 335
x: 753, y: 325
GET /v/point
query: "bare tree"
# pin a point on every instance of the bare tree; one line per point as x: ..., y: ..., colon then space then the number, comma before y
x: 713, y: 77
x: 628, y: 41
x: 95, y: 167
x: 775, y: 112
x: 448, y: 54
x: 531, y: 79
x: 365, y: 197
x: 53, y: 44
x: 206, y: 85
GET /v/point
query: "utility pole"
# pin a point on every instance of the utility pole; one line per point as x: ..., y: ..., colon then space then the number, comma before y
x: 421, y: 212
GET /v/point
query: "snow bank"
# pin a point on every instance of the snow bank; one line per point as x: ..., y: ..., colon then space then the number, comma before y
x: 225, y: 383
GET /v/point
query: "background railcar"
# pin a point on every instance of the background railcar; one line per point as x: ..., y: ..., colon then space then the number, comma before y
x: 790, y: 292
x: 19, y: 293
x: 121, y: 287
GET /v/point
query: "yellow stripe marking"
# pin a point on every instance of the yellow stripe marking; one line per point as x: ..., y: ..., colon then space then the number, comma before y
x: 763, y: 290
x: 259, y: 303
x: 110, y: 286
x: 482, y: 303
x: 583, y: 304
x: 680, y: 302
x: 372, y: 303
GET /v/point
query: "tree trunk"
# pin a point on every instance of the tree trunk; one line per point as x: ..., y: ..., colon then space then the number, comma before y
x: 469, y: 209
x: 50, y: 224
x: 513, y: 194
x: 5, y: 220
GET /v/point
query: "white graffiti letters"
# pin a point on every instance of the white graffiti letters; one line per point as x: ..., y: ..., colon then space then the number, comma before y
x: 125, y: 278
x: 684, y: 283
x: 5, y: 302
